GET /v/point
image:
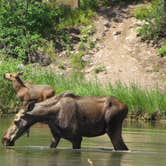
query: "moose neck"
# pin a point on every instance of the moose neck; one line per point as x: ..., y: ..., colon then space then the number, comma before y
x: 18, y: 84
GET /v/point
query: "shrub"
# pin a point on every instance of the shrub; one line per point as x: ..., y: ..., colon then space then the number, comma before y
x: 154, y: 16
x: 24, y: 27
x: 77, y: 60
x: 75, y: 17
x: 142, y: 12
x: 89, y: 4
x: 99, y: 69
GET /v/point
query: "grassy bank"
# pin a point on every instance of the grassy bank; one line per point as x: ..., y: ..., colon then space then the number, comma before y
x: 141, y: 102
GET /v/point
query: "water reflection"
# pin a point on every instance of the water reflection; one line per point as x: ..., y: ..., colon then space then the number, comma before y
x: 146, y: 141
x: 59, y: 157
x: 145, y: 125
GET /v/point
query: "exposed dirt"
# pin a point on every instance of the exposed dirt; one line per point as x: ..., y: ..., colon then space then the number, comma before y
x: 122, y: 54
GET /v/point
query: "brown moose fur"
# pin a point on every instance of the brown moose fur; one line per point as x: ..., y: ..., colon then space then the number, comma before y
x: 73, y: 117
x: 27, y: 91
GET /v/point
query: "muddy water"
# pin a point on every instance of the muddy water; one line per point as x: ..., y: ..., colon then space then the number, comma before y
x: 146, y: 141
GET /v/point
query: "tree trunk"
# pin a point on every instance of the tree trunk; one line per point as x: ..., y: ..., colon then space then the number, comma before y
x: 75, y: 4
x: 165, y: 7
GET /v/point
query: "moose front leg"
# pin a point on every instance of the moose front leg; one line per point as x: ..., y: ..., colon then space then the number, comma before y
x: 56, y: 135
x: 115, y: 134
x: 54, y: 142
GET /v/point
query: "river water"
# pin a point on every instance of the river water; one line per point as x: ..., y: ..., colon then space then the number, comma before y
x: 147, y: 144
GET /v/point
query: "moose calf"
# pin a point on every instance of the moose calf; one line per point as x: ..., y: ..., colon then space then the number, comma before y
x: 27, y: 91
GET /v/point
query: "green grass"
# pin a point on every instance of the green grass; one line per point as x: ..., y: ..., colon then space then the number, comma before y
x: 77, y: 61
x: 137, y: 98
x: 99, y: 69
x: 76, y: 17
x: 162, y: 50
x: 142, y: 12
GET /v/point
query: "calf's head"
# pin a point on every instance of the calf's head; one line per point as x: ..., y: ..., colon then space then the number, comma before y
x: 12, y: 76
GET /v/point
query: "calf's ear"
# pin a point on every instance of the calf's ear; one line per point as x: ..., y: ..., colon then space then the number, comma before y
x: 20, y: 73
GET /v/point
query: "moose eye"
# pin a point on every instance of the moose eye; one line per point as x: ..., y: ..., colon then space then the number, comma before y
x: 16, y: 122
x: 20, y: 122
x: 9, y: 75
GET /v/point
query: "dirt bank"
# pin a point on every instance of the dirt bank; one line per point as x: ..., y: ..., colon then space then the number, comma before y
x: 121, y: 54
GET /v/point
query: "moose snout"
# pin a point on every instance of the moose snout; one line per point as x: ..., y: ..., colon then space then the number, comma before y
x: 7, y: 76
x: 7, y: 142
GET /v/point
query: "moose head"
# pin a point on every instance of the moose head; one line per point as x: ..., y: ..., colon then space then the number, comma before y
x: 12, y: 76
x: 21, y: 123
x: 24, y: 119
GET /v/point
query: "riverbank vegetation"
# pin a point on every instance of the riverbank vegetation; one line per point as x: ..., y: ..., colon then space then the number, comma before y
x: 33, y: 30
x: 153, y: 16
x: 143, y: 103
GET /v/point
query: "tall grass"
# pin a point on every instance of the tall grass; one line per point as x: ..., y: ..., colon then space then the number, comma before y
x: 137, y: 98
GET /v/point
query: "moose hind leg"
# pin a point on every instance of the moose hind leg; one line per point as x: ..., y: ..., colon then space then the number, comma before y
x: 115, y: 134
x: 114, y: 118
x: 76, y: 142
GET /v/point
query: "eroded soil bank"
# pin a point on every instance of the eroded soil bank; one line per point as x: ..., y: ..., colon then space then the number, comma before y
x: 122, y: 55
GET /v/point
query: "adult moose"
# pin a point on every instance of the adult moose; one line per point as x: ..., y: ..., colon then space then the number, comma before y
x: 73, y: 117
x: 27, y: 91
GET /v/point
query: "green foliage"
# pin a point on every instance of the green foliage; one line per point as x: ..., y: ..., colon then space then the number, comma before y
x: 23, y: 27
x: 138, y: 99
x: 75, y: 17
x: 154, y: 16
x: 86, y: 42
x: 49, y: 49
x: 99, y: 69
x: 28, y: 25
x: 162, y: 50
x: 89, y: 4
x: 94, y: 4
x: 142, y: 12
x: 77, y: 60
x: 62, y: 66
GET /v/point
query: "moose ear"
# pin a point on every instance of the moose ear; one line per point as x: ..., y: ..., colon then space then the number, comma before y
x: 30, y: 106
x: 20, y: 73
